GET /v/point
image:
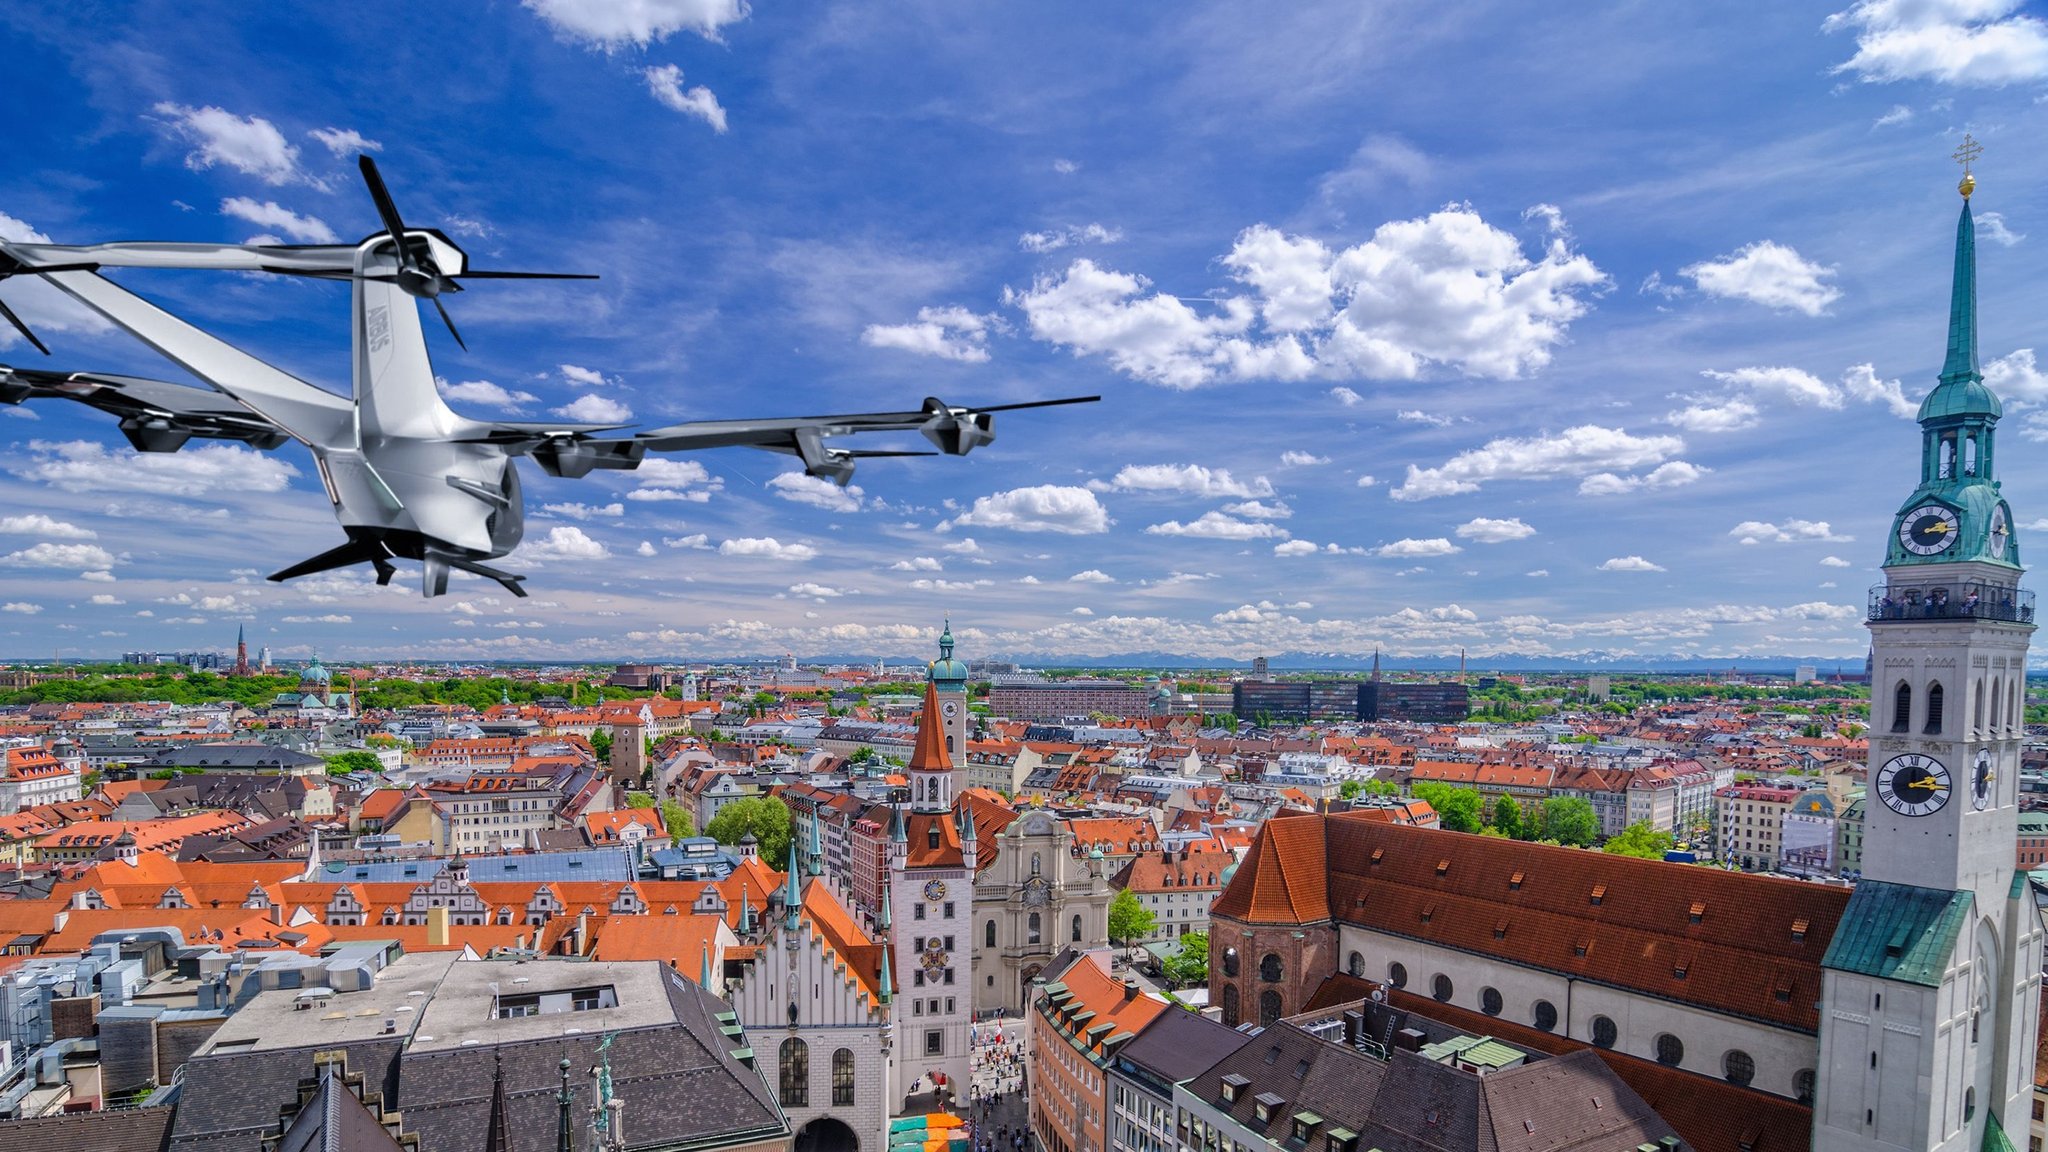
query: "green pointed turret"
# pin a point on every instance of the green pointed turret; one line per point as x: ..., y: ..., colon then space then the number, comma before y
x: 792, y: 893
x: 704, y: 969
x: 1957, y: 513
x: 815, y: 866
x: 1961, y: 391
x: 888, y: 989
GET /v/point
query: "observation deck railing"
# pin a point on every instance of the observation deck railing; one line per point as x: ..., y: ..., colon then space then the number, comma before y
x: 1949, y: 599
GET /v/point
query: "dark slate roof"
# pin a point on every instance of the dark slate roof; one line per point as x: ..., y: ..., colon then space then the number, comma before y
x: 333, y: 1119
x: 679, y: 1085
x: 676, y: 1088
x: 1177, y: 1045
x: 1899, y: 932
x: 126, y: 1130
x: 230, y: 1101
x: 1413, y: 1104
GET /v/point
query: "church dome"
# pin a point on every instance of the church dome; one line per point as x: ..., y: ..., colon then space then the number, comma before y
x: 947, y: 673
x: 1229, y: 870
x: 315, y: 674
x: 1968, y: 396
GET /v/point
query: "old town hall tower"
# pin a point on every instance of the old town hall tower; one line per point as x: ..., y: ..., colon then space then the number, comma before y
x: 1931, y: 988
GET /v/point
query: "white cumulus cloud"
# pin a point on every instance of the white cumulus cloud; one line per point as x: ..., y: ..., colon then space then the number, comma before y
x: 1757, y: 531
x: 1057, y: 508
x: 84, y: 466
x: 1671, y: 475
x: 565, y: 542
x: 49, y: 528
x: 665, y: 82
x: 1413, y: 548
x: 486, y: 393
x: 1980, y: 43
x: 579, y: 511
x: 1295, y: 548
x: 816, y: 492
x: 1768, y: 273
x: 615, y: 24
x: 767, y: 547
x: 22, y: 607
x: 1091, y: 576
x: 250, y: 145
x: 49, y: 555
x: 1629, y: 564
x: 1447, y: 289
x: 949, y: 333
x: 1294, y: 459
x: 1579, y: 451
x: 1485, y: 530
x: 591, y: 408
x: 1217, y: 526
x: 1188, y: 479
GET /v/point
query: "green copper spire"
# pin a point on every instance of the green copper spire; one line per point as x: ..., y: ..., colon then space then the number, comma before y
x: 888, y: 990
x: 792, y: 895
x: 704, y: 969
x: 815, y: 865
x: 1962, y: 305
x: 1956, y: 514
x: 1961, y: 392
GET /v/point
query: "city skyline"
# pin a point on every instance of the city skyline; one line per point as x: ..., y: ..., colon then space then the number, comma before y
x: 1606, y: 339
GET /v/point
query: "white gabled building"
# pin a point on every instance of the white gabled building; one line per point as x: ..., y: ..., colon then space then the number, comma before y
x: 814, y: 997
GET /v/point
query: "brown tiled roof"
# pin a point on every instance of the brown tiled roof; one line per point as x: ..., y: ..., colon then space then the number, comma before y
x: 121, y: 1130
x: 1747, y: 946
x: 1285, y: 878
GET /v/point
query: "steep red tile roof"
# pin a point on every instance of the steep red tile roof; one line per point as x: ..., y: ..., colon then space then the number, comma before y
x: 1284, y: 879
x: 930, y: 755
x: 1744, y: 945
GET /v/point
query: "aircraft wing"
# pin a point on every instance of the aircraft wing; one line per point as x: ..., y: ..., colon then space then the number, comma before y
x: 155, y: 415
x: 953, y: 430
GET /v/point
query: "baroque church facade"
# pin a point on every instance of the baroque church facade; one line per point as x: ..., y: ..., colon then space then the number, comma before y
x: 1902, y: 1015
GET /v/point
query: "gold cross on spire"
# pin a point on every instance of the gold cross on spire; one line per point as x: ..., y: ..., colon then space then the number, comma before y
x: 1966, y: 156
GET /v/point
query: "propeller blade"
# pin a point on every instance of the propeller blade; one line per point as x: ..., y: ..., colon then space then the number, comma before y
x: 22, y: 328
x: 387, y: 209
x: 443, y: 310
x: 525, y: 276
x: 1036, y: 404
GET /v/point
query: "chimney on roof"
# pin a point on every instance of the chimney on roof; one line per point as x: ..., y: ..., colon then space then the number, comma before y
x: 1130, y: 989
x: 437, y: 927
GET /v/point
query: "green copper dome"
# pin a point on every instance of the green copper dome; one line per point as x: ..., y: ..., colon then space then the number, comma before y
x: 948, y: 674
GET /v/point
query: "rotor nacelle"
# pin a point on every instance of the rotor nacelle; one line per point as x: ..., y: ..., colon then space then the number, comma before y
x: 956, y: 431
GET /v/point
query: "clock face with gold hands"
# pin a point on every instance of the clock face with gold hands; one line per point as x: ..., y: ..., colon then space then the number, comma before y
x: 1913, y: 785
x: 1927, y: 530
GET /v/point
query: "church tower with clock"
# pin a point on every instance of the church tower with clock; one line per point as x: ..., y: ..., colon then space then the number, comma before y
x: 948, y: 677
x: 934, y: 851
x: 1932, y: 984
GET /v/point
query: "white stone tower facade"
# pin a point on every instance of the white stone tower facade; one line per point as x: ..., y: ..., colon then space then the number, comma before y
x: 1932, y: 986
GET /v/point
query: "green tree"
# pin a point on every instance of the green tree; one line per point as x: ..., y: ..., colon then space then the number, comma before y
x: 1350, y: 789
x: 1639, y: 839
x: 1190, y: 965
x: 767, y: 817
x: 1570, y: 820
x: 344, y: 763
x: 1129, y: 920
x: 680, y: 826
x: 639, y: 800
x: 1507, y: 818
x: 601, y: 744
x: 1457, y: 809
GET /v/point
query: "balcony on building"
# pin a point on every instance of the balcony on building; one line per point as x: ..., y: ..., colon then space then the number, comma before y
x: 1948, y: 600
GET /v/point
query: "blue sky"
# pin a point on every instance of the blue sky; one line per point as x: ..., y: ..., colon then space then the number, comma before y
x: 1510, y: 327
